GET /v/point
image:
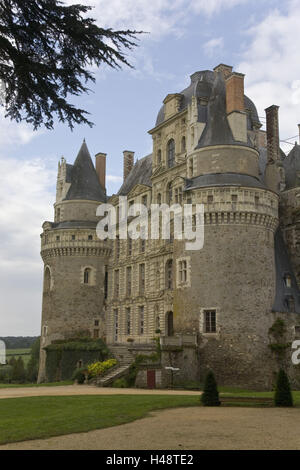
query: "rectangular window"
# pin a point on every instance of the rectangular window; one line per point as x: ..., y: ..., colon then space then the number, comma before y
x: 117, y: 282
x: 182, y: 271
x: 116, y: 324
x: 106, y: 283
x: 128, y: 280
x: 129, y: 246
x: 142, y: 278
x: 210, y: 325
x: 141, y: 320
x: 117, y: 247
x: 144, y: 200
x: 128, y: 320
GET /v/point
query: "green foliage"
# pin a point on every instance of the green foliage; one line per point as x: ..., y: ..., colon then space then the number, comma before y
x: 18, y: 374
x: 99, y: 368
x: 63, y: 356
x: 283, y: 395
x: 210, y: 395
x: 120, y: 383
x: 79, y: 375
x: 278, y: 329
x: 33, y: 364
x: 46, y: 53
x: 5, y: 374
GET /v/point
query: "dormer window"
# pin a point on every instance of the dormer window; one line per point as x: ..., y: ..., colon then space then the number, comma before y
x: 288, y: 281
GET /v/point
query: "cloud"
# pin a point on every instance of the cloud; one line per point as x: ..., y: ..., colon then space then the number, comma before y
x: 213, y: 44
x: 13, y: 133
x: 272, y: 67
x: 159, y: 17
x: 26, y: 189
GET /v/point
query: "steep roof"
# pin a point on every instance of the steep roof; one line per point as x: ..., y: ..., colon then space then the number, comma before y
x: 283, y: 267
x: 140, y: 174
x: 223, y: 179
x: 291, y: 164
x: 201, y: 87
x: 217, y: 130
x: 84, y: 180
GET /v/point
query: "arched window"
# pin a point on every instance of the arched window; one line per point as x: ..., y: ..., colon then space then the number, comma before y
x: 87, y: 276
x: 159, y: 198
x: 171, y: 153
x: 183, y: 144
x: 47, y: 279
x: 169, y: 274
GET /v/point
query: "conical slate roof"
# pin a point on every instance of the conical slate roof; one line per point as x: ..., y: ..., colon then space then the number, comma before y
x: 217, y: 130
x: 84, y: 180
x: 291, y: 164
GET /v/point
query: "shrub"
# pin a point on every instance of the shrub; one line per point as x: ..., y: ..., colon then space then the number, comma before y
x: 120, y: 383
x: 210, y: 395
x: 283, y: 395
x: 18, y: 371
x: 99, y: 368
x: 79, y: 375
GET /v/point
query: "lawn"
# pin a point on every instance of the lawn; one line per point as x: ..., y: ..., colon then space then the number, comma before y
x: 41, y: 417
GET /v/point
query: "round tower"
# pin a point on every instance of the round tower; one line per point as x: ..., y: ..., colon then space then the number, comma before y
x: 229, y: 287
x: 74, y: 258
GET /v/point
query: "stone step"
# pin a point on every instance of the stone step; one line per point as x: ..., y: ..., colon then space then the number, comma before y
x: 112, y: 375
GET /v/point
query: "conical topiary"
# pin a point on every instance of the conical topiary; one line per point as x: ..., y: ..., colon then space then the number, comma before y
x: 283, y: 395
x: 210, y: 395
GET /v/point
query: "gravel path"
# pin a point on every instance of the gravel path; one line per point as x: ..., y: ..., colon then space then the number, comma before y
x: 188, y: 428
x: 66, y: 390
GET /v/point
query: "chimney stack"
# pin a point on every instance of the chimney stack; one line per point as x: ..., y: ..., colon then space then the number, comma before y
x: 235, y: 92
x: 100, y: 159
x: 272, y: 133
x: 128, y: 163
x: 235, y: 106
x: 225, y: 70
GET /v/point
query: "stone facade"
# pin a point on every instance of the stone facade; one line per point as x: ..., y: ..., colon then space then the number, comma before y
x: 212, y: 308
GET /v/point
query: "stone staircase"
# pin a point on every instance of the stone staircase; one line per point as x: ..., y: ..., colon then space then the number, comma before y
x: 112, y: 375
x: 124, y: 358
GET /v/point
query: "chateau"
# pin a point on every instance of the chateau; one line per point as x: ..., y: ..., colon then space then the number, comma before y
x: 213, y: 308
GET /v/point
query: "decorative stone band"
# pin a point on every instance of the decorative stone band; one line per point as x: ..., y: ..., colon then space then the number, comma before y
x: 241, y: 218
x: 75, y: 251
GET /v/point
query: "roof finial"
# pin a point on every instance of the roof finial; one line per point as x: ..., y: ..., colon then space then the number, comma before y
x: 84, y: 140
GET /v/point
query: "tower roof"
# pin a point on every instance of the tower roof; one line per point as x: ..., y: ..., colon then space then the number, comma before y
x: 291, y: 165
x: 84, y: 179
x: 217, y: 130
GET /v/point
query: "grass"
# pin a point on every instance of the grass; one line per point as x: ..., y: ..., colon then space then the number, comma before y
x: 50, y: 384
x: 41, y: 417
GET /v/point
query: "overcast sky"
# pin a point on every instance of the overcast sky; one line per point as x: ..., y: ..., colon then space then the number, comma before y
x: 260, y: 39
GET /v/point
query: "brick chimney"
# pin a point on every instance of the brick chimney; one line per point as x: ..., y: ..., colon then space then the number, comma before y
x: 272, y: 133
x: 235, y: 106
x: 128, y: 163
x: 225, y: 70
x: 235, y: 92
x: 100, y: 159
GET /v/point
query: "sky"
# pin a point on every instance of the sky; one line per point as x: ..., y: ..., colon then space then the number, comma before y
x: 260, y: 39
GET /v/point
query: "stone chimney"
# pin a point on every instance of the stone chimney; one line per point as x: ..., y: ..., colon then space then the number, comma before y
x: 128, y: 163
x: 100, y: 159
x: 235, y: 106
x: 272, y: 133
x: 225, y: 70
